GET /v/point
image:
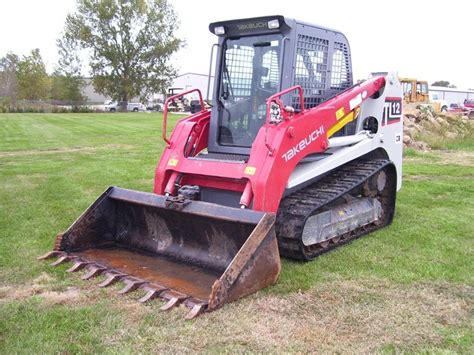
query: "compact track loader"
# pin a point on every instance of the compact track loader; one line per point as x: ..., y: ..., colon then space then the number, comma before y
x: 293, y: 159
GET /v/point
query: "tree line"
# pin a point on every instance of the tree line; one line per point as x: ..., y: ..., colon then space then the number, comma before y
x: 26, y: 78
x: 127, y: 46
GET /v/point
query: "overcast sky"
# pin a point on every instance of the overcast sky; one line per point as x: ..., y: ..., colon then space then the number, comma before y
x: 423, y: 39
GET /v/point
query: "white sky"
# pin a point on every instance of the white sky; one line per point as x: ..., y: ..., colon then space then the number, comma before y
x: 430, y: 40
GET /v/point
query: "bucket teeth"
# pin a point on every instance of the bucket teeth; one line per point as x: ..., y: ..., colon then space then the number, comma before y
x: 112, y: 277
x: 153, y: 292
x: 195, y: 311
x: 130, y: 285
x: 62, y: 259
x: 173, y: 302
x: 174, y: 299
x: 94, y: 271
x: 79, y: 264
x: 50, y: 254
x: 171, y: 297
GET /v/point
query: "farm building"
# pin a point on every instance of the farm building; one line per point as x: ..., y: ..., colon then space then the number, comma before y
x: 183, y: 82
x: 450, y: 95
x: 188, y: 81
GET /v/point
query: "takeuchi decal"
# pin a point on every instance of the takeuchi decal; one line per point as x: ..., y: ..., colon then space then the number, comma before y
x: 303, y: 144
x: 252, y: 26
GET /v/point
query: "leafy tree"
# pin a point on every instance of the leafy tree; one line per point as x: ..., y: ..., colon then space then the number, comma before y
x: 129, y: 43
x: 67, y: 88
x: 33, y: 81
x: 443, y: 83
x: 8, y: 81
x: 69, y: 62
x: 66, y: 81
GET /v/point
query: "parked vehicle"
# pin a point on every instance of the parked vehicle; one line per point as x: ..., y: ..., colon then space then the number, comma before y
x: 457, y: 108
x: 415, y: 90
x: 195, y: 106
x: 469, y: 103
x: 114, y: 106
x: 469, y: 108
x: 154, y: 106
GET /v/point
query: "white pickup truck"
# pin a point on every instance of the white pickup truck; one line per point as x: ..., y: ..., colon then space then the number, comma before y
x: 113, y: 106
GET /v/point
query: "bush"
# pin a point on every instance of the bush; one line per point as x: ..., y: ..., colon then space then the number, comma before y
x: 42, y: 107
x: 425, y: 108
x: 82, y: 109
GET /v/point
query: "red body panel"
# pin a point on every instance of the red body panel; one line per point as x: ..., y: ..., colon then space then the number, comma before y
x: 274, y: 155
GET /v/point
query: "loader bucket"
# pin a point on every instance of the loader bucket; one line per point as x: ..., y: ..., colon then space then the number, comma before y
x: 186, y: 252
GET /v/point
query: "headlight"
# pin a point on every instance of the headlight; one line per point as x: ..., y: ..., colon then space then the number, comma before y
x: 273, y: 24
x: 219, y: 30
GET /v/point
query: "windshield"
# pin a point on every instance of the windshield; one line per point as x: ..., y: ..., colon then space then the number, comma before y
x: 250, y: 74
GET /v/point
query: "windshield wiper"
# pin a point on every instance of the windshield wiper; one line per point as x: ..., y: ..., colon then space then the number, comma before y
x: 226, y: 87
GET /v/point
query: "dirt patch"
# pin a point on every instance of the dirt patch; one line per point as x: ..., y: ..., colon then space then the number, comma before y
x: 43, y: 278
x: 37, y: 286
x: 349, y: 316
x: 417, y: 178
x: 41, y: 286
x: 444, y: 157
x: 71, y: 295
x: 134, y: 310
x: 63, y: 150
x: 462, y: 157
x: 340, y: 316
x: 343, y: 316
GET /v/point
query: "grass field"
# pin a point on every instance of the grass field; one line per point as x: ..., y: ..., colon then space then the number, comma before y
x: 408, y: 287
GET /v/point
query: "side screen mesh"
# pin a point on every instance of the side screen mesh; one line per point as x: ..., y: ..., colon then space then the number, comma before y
x: 272, y: 79
x: 311, y: 69
x: 341, y: 77
x: 270, y: 61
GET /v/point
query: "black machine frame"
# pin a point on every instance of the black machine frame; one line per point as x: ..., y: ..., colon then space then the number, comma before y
x: 316, y: 58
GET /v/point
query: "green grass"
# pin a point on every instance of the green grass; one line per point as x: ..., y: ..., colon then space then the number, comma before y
x: 408, y: 287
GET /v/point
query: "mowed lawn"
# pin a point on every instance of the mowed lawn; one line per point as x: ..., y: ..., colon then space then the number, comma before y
x: 408, y: 287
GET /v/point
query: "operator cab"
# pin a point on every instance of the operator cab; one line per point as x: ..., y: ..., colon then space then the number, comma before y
x: 250, y: 74
x: 260, y: 57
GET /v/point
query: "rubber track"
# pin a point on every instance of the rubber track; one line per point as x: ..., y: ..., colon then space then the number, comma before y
x: 297, y: 207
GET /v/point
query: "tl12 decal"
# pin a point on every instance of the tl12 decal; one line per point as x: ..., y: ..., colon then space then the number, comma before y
x: 392, y: 110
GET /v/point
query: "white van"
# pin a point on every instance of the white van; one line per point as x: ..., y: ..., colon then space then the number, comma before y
x: 113, y: 106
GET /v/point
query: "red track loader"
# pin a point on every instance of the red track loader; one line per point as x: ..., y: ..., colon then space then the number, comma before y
x: 293, y: 159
